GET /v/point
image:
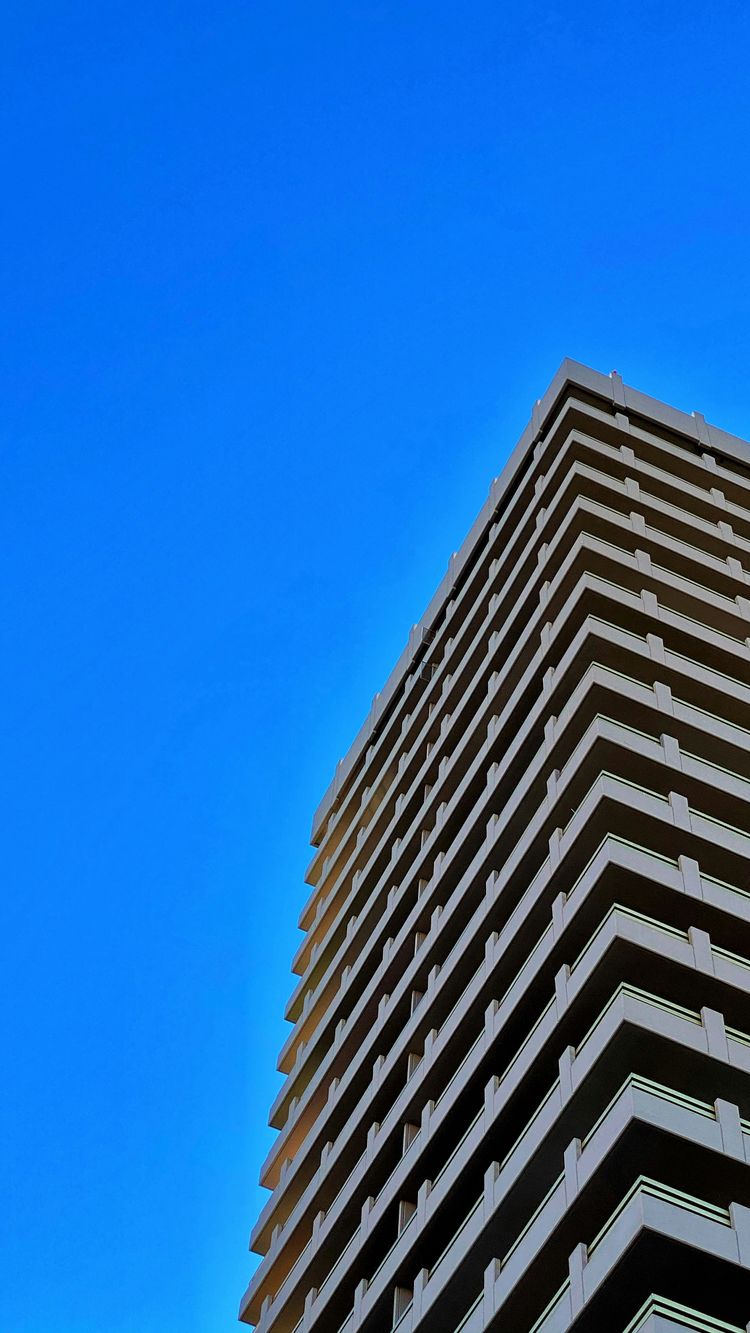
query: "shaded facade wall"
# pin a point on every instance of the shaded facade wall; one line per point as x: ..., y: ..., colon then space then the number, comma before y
x: 517, y: 1087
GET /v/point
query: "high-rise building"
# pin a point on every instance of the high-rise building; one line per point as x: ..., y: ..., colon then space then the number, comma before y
x: 517, y: 1090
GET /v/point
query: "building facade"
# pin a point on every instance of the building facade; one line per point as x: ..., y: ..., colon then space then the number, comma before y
x: 517, y: 1091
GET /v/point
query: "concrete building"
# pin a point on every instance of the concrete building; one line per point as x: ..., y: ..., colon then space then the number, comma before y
x: 517, y: 1090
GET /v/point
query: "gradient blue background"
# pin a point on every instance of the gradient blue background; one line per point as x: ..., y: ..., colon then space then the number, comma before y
x: 280, y: 282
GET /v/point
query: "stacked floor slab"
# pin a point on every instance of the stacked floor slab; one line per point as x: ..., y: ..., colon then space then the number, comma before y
x: 517, y: 1078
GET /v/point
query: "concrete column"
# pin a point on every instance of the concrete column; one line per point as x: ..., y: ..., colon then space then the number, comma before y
x: 680, y: 811
x: 372, y: 1134
x: 740, y: 1216
x: 656, y: 648
x: 733, y: 1140
x: 691, y: 876
x: 364, y: 1221
x: 491, y: 1274
x: 702, y: 951
x: 716, y: 1035
x: 561, y: 989
x: 576, y: 1265
x: 490, y: 1091
x: 558, y: 914
x: 650, y: 602
x: 423, y: 1194
x: 420, y: 1282
x: 307, y: 1315
x: 570, y: 1167
x: 488, y: 1195
x: 565, y: 1067
x: 360, y: 1292
x: 663, y: 695
x: 671, y: 747
x: 425, y: 1118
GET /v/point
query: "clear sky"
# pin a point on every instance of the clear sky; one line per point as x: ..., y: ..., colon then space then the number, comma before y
x: 280, y: 283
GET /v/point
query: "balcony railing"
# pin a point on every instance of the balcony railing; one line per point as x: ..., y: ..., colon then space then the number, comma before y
x: 625, y: 989
x: 679, y: 1314
x: 691, y: 619
x: 636, y: 1081
x: 655, y: 1189
x: 643, y: 1183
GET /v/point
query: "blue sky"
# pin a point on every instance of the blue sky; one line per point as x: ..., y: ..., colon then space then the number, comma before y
x: 280, y: 283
